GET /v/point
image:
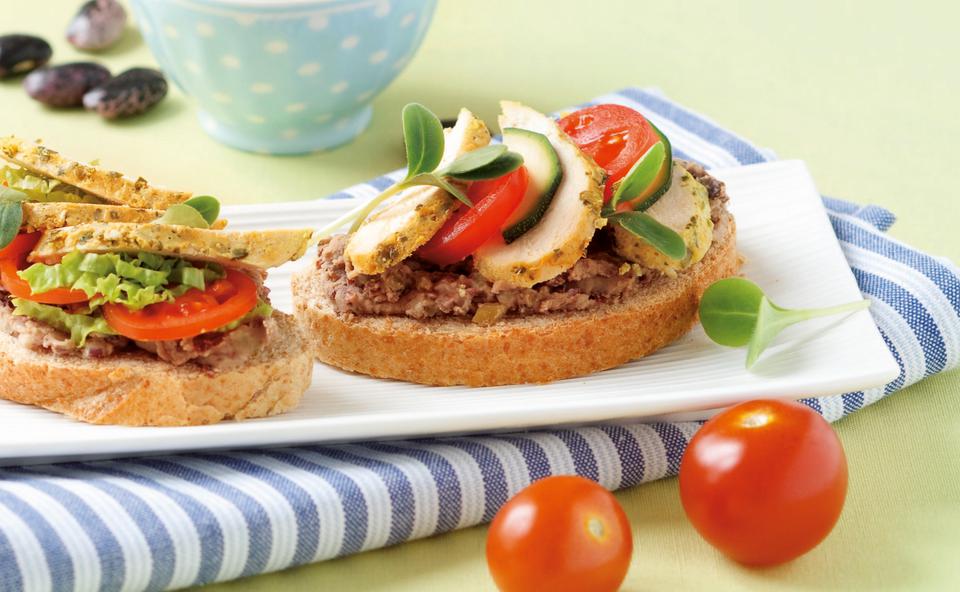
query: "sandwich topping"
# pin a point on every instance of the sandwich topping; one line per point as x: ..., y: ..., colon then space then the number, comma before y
x: 81, y: 278
x: 419, y: 288
x: 570, y: 214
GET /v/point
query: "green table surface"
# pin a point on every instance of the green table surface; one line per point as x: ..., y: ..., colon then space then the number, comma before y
x: 865, y: 92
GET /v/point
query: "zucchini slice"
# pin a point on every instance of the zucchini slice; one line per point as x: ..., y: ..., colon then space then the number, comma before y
x: 545, y: 174
x: 660, y: 185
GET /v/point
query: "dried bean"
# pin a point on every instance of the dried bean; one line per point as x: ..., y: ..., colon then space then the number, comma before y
x: 22, y: 53
x: 65, y: 85
x: 98, y: 25
x: 128, y: 94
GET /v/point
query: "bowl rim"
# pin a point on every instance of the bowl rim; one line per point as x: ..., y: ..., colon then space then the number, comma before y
x: 273, y: 3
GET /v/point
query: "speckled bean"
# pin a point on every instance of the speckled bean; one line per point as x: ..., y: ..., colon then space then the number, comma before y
x: 97, y: 25
x: 65, y: 85
x: 20, y: 54
x: 128, y: 94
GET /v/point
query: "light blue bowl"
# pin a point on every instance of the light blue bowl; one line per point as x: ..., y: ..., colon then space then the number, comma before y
x: 283, y: 76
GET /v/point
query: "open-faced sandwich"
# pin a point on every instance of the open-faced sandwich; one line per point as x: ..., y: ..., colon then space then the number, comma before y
x: 575, y: 246
x: 123, y: 303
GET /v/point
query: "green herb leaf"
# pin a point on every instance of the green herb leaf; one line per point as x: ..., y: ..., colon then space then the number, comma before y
x: 473, y: 160
x: 438, y: 181
x: 11, y: 217
x: 12, y: 195
x: 641, y: 175
x: 207, y: 205
x: 655, y: 234
x: 729, y: 309
x: 183, y: 215
x: 423, y: 136
x: 735, y: 312
x: 505, y: 163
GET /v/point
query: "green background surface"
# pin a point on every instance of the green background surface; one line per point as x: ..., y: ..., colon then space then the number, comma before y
x: 865, y: 92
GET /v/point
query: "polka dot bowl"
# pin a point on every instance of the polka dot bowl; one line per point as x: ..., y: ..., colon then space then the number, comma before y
x: 283, y: 76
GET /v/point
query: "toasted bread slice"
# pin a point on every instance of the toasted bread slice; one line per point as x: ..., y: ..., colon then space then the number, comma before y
x: 110, y: 186
x: 254, y: 248
x: 529, y: 349
x: 137, y: 389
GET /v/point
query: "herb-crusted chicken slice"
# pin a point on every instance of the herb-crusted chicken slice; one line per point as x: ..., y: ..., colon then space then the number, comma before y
x: 110, y: 186
x: 256, y: 248
x: 684, y: 208
x: 50, y: 215
x: 412, y: 217
x: 561, y: 237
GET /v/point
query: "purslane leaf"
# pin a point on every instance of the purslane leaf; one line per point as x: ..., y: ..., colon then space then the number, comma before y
x: 655, y: 234
x: 207, y: 205
x: 736, y: 313
x: 438, y: 181
x: 473, y: 160
x: 423, y: 136
x: 505, y: 163
x: 183, y: 215
x: 728, y: 311
x: 12, y: 195
x: 11, y: 217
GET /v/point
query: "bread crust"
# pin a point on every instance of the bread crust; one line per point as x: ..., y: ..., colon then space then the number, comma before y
x: 137, y: 389
x: 530, y: 349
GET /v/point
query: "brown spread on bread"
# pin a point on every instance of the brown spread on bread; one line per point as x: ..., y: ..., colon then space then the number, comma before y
x: 420, y: 290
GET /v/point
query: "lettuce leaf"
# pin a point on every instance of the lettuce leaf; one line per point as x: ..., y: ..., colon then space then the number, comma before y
x: 135, y: 281
x: 43, y: 189
x: 262, y: 310
x: 78, y: 326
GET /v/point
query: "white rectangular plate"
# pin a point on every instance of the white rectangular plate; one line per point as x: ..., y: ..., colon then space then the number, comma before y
x: 789, y: 248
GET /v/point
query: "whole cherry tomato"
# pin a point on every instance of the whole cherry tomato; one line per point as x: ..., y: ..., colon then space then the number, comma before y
x: 764, y: 481
x: 560, y: 534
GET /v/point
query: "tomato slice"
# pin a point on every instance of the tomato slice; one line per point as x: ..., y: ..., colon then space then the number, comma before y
x: 13, y: 258
x: 198, y: 311
x: 467, y: 229
x: 613, y: 135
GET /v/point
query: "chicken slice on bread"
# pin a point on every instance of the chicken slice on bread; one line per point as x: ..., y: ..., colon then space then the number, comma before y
x: 139, y: 316
x: 532, y: 282
x: 393, y: 233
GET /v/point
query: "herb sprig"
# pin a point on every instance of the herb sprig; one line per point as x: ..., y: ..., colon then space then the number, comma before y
x: 735, y: 312
x: 423, y: 136
x: 11, y: 214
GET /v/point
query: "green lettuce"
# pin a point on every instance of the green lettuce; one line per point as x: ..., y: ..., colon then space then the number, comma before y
x: 135, y: 281
x: 261, y: 311
x: 78, y: 326
x: 41, y: 188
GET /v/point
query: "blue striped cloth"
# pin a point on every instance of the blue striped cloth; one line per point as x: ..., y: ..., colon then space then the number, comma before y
x: 169, y: 522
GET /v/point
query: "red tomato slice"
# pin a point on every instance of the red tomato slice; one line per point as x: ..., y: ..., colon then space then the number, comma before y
x: 198, y: 311
x: 764, y: 481
x: 563, y: 533
x: 613, y: 135
x: 13, y: 258
x: 469, y: 228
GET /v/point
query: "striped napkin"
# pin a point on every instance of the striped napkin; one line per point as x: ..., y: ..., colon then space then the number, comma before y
x: 169, y: 522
